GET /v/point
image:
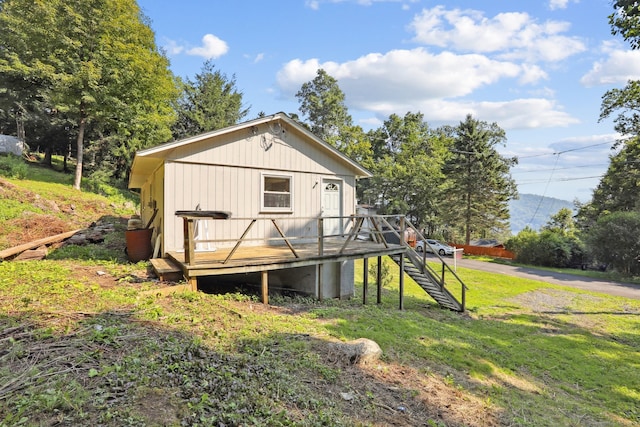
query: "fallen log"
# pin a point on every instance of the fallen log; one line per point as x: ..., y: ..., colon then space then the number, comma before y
x: 10, y: 252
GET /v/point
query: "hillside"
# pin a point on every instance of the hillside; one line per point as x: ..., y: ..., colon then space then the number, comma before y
x: 87, y: 338
x: 43, y: 203
x: 534, y: 210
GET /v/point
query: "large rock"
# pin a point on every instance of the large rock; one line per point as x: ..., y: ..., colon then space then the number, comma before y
x: 362, y: 351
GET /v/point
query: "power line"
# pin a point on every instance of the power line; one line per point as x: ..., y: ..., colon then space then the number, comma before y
x: 566, y: 151
x: 545, y: 191
x: 538, y: 181
x: 558, y: 169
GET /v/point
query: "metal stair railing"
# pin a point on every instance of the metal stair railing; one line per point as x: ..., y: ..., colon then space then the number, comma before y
x: 424, y: 271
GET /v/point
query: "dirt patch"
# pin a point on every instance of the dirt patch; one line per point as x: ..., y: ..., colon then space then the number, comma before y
x: 32, y: 226
x: 552, y: 300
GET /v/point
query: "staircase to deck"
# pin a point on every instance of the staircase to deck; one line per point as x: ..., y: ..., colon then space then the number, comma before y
x: 428, y: 281
x: 417, y: 267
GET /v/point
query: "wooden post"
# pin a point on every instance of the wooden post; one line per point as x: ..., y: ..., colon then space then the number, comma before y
x: 365, y: 279
x: 379, y: 280
x: 320, y: 236
x: 188, y: 244
x: 193, y: 283
x: 265, y: 287
x: 320, y: 273
x: 401, y: 282
x: 321, y: 253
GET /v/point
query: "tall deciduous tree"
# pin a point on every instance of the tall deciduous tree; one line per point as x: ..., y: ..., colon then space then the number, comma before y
x: 615, y: 239
x: 96, y: 63
x: 407, y: 169
x: 478, y: 180
x: 327, y: 116
x: 210, y: 101
x: 618, y: 189
x: 625, y: 21
x: 322, y: 103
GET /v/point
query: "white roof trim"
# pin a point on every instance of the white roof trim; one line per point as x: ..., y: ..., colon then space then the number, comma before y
x: 160, y: 151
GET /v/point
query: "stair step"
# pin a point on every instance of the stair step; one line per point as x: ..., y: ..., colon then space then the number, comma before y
x: 429, y: 284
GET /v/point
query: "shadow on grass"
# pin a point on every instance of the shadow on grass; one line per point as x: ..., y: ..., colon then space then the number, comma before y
x: 545, y: 369
x: 116, y: 368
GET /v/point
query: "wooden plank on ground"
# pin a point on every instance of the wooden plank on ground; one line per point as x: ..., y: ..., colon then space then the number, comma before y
x: 164, y: 265
x: 168, y: 290
x: 32, y: 254
x: 7, y: 253
x: 166, y: 269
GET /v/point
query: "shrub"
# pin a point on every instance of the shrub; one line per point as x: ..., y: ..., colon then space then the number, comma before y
x: 548, y: 248
x: 13, y: 166
x: 615, y: 240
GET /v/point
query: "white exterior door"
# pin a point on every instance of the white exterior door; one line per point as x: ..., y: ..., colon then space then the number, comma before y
x: 332, y: 206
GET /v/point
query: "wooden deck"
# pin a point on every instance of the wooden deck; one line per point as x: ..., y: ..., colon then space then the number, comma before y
x: 250, y: 259
x: 363, y: 237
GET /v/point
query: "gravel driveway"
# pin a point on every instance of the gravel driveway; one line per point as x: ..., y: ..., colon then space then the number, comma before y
x: 626, y: 290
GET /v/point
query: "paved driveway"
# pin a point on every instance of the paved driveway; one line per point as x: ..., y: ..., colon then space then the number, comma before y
x: 596, y: 285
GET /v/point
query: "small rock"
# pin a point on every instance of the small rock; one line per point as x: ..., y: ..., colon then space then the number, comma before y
x: 100, y: 273
x: 346, y: 396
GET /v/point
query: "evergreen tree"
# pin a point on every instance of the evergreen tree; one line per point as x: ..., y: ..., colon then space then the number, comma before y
x: 407, y: 170
x: 478, y: 180
x: 209, y: 102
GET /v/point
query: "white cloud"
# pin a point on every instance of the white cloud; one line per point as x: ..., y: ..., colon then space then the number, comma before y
x: 618, y: 67
x: 212, y: 47
x: 172, y: 47
x: 532, y: 74
x: 315, y: 4
x: 526, y: 113
x: 404, y: 74
x: 434, y: 84
x: 560, y: 4
x: 512, y: 35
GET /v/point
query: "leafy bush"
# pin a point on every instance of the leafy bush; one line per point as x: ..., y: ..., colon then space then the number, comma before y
x: 547, y: 248
x: 615, y: 240
x: 13, y: 166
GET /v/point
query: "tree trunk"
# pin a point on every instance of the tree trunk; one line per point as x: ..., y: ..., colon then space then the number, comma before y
x: 47, y: 157
x: 467, y: 237
x: 80, y: 143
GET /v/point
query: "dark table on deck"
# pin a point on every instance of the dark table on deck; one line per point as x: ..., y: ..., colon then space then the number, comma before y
x: 188, y: 218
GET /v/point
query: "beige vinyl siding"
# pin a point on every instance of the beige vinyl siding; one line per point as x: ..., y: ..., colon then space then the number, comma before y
x: 237, y: 190
x: 226, y: 175
x: 287, y: 153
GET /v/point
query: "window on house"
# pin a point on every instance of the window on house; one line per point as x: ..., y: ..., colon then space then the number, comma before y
x: 276, y: 193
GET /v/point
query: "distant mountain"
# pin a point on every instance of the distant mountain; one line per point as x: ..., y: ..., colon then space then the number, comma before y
x: 534, y: 210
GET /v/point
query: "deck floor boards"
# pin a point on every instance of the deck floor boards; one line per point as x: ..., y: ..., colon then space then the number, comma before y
x: 260, y: 258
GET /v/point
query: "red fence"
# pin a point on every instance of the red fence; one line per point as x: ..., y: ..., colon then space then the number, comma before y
x: 485, y: 250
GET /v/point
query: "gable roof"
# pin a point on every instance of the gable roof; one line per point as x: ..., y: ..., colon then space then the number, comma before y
x: 148, y: 160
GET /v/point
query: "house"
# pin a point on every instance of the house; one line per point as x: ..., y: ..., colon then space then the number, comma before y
x: 13, y: 145
x: 271, y: 172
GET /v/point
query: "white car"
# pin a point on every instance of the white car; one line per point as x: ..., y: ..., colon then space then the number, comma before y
x: 434, y: 246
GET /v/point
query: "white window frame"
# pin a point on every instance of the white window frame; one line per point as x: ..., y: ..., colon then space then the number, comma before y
x: 263, y: 177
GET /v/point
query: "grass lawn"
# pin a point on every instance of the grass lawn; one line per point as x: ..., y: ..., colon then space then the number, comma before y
x: 86, y: 338
x: 82, y: 348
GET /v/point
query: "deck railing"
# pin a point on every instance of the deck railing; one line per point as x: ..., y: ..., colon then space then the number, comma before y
x: 385, y: 230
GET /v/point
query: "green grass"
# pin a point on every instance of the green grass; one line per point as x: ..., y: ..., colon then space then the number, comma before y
x: 78, y: 349
x: 572, y: 359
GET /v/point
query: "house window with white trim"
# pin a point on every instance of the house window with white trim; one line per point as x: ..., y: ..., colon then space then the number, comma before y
x: 277, y: 193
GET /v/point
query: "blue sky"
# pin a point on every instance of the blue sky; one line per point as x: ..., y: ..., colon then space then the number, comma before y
x: 536, y: 68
